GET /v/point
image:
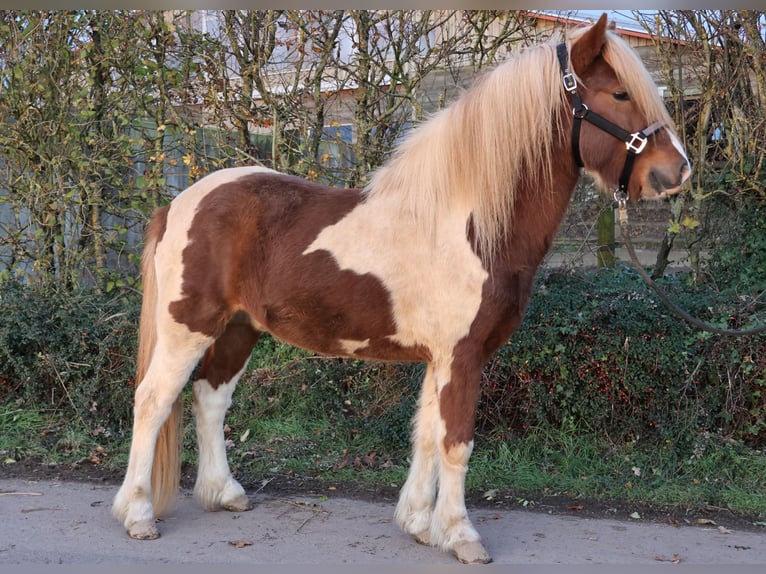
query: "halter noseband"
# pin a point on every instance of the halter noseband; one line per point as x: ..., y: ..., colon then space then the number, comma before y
x: 634, y: 142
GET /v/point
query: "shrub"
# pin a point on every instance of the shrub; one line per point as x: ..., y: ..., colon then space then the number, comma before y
x: 364, y: 402
x: 596, y: 351
x: 737, y: 260
x: 69, y: 352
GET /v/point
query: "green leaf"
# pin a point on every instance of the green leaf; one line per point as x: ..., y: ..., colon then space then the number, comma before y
x: 690, y: 223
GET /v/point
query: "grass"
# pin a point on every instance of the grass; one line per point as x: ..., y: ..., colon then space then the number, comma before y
x: 46, y: 435
x: 718, y: 475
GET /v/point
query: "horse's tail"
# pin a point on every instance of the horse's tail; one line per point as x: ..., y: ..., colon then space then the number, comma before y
x: 166, y: 468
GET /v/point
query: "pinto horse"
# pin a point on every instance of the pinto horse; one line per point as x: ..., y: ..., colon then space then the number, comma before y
x: 432, y: 261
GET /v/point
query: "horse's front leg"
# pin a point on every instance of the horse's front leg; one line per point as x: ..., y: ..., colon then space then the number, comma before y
x: 416, y: 500
x: 442, y: 444
x: 451, y: 528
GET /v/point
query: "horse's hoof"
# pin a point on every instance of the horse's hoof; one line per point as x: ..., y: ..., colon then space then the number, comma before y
x: 423, y: 537
x: 144, y: 530
x: 471, y: 553
x: 240, y: 504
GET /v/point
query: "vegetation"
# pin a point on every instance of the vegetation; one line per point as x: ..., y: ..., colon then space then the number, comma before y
x: 105, y: 115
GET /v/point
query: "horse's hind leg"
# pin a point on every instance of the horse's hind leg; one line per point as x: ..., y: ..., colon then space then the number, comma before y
x: 224, y: 363
x: 175, y: 355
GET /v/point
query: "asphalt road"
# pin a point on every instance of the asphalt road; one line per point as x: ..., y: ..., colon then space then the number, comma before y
x: 49, y: 522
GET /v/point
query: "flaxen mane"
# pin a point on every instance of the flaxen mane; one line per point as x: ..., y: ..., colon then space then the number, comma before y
x: 476, y: 153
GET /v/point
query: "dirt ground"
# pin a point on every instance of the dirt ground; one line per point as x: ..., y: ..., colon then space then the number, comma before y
x: 298, y: 523
x: 281, y: 486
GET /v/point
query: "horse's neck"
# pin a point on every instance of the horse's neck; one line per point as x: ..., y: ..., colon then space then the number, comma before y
x: 537, y: 217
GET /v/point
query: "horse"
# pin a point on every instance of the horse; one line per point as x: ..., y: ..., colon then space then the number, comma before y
x: 432, y: 261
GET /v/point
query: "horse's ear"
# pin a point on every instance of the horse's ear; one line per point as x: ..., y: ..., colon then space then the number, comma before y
x: 588, y: 47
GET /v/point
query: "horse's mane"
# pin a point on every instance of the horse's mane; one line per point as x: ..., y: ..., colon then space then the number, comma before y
x: 499, y: 136
x: 475, y: 154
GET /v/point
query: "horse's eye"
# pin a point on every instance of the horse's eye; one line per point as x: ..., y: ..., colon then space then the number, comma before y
x: 621, y: 96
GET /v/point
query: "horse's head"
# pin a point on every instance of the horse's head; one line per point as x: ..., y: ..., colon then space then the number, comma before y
x: 611, y: 84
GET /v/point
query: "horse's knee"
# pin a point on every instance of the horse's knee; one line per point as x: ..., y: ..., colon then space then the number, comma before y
x: 456, y: 454
x: 210, y: 399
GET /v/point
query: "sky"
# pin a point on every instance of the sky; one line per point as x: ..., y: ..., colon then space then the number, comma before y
x: 625, y: 19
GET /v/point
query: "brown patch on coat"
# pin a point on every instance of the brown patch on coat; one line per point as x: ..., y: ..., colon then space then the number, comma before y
x: 245, y: 253
x: 505, y: 296
x: 230, y: 352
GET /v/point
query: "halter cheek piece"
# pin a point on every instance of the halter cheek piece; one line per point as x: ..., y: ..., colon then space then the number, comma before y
x: 634, y: 142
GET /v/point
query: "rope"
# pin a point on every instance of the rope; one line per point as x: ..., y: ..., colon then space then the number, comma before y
x: 623, y: 217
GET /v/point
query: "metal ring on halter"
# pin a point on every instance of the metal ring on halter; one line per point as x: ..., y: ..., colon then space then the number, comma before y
x: 580, y: 112
x: 622, y: 206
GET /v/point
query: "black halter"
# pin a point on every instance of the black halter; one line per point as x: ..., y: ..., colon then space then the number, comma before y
x: 634, y: 142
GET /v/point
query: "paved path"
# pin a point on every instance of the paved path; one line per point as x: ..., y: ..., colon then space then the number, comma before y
x: 70, y: 523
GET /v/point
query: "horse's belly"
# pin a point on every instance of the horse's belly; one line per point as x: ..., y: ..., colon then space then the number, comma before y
x: 348, y: 330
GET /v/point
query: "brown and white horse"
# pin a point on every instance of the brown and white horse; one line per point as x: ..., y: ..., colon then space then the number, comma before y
x: 432, y: 261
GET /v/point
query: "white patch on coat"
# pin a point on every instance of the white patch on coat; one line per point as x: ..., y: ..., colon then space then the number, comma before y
x: 435, y: 282
x: 350, y: 346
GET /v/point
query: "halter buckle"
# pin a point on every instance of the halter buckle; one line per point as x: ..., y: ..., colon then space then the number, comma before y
x: 637, y: 142
x: 570, y: 82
